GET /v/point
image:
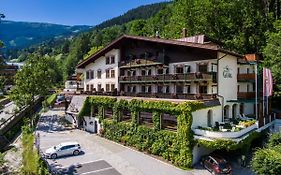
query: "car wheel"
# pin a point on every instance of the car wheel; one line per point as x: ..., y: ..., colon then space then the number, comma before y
x: 54, y: 156
x: 75, y: 153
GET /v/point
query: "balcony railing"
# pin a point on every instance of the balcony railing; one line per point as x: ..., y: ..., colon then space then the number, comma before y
x: 246, y: 95
x: 246, y: 77
x: 225, y: 135
x: 166, y: 77
x: 172, y: 96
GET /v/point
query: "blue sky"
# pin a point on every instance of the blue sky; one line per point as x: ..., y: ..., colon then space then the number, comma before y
x: 70, y: 12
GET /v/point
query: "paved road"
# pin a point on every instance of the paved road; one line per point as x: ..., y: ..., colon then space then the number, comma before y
x: 7, y: 111
x: 101, y: 156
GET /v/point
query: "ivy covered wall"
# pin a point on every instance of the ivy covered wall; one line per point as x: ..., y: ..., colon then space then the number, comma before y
x: 173, y: 146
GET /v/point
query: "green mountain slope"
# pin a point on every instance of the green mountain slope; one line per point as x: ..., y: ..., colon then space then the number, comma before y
x: 142, y: 12
x: 23, y: 34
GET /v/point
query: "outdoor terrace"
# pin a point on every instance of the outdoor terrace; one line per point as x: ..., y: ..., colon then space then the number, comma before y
x: 227, y: 130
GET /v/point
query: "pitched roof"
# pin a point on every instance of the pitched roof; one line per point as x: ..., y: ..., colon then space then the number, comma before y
x: 156, y: 40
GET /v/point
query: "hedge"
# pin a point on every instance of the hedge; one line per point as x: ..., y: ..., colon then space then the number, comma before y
x: 173, y: 146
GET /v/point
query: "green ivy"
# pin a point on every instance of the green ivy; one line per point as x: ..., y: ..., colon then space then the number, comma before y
x: 173, y: 146
x: 156, y: 118
x: 86, y: 109
x: 229, y: 145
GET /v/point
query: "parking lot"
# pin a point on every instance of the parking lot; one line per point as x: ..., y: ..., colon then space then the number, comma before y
x: 99, y: 156
x: 103, y: 157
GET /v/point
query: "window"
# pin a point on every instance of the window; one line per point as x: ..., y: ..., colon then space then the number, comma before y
x: 248, y: 70
x: 112, y: 73
x: 142, y: 88
x: 160, y: 71
x: 238, y: 88
x: 238, y: 70
x: 248, y: 88
x: 143, y: 72
x: 87, y: 87
x: 107, y: 75
x: 149, y: 89
x: 99, y: 87
x: 107, y: 87
x: 108, y: 113
x: 179, y: 89
x: 146, y: 118
x: 169, y: 122
x: 203, y: 68
x: 91, y: 74
x: 188, y: 89
x: 112, y: 59
x: 133, y: 73
x: 99, y: 74
x: 159, y: 89
x: 133, y: 89
x: 107, y: 60
x: 167, y: 89
x: 112, y: 87
x: 149, y: 72
x: 179, y: 70
x: 128, y: 89
x: 126, y: 115
x: 203, y: 89
x: 92, y: 87
x: 87, y: 75
x: 187, y: 68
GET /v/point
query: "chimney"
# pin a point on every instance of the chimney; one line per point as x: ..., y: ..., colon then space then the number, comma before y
x: 157, y: 35
x: 184, y: 32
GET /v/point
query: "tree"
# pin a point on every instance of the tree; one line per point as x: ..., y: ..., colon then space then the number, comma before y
x: 268, y: 160
x: 272, y: 54
x: 2, y: 83
x: 35, y: 79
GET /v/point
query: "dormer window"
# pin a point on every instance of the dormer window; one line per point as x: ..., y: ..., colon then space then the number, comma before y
x: 110, y: 59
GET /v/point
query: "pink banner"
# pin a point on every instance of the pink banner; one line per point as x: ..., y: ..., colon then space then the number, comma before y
x: 267, y: 82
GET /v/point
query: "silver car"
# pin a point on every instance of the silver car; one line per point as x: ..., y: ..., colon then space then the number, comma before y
x: 63, y: 149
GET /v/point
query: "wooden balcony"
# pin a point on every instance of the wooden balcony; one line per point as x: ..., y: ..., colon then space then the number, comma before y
x: 246, y: 77
x: 167, y: 78
x: 173, y: 96
x: 246, y: 95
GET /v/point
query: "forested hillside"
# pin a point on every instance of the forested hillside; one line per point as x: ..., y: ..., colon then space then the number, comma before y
x: 243, y: 26
x: 18, y: 35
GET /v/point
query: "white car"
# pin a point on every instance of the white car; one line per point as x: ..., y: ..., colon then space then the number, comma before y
x: 63, y: 149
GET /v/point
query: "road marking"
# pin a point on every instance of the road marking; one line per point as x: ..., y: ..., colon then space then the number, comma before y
x: 84, y: 163
x: 98, y: 170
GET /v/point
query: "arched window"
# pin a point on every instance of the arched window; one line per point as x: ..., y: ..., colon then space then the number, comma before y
x: 226, y: 112
x: 234, y: 111
x: 210, y: 118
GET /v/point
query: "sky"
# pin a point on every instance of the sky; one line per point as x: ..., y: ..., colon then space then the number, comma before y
x: 68, y: 12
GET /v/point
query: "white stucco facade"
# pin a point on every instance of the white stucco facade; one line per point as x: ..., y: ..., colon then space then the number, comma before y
x: 100, y: 65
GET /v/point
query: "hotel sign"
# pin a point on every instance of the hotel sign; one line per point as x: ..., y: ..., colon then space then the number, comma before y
x: 227, y: 72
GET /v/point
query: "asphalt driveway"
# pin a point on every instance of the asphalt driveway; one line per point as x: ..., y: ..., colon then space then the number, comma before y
x: 103, y: 157
x: 100, y: 156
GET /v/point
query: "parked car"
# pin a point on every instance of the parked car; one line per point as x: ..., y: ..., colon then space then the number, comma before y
x: 216, y: 164
x: 63, y: 149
